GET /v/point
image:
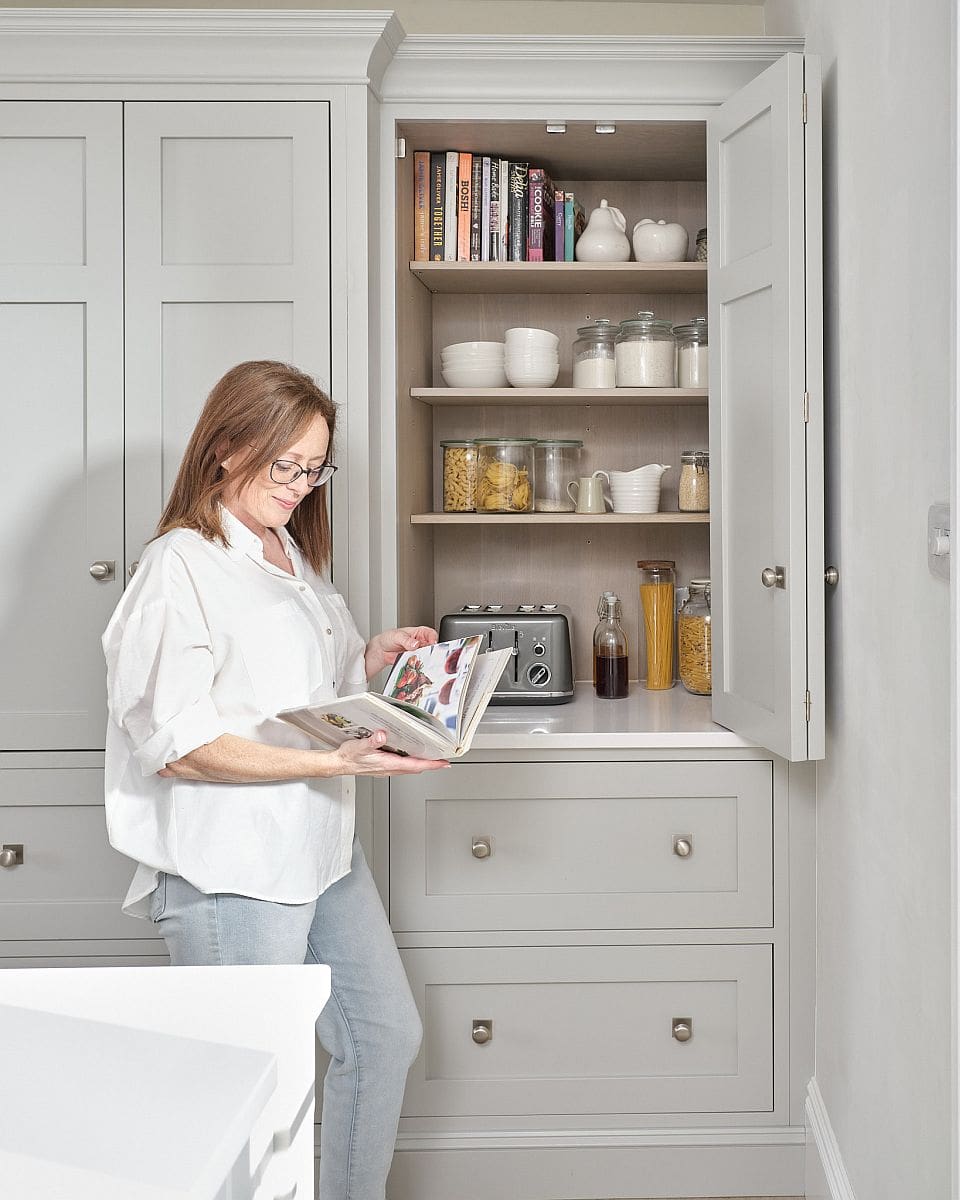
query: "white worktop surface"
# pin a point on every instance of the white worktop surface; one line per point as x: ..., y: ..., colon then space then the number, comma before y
x: 666, y: 720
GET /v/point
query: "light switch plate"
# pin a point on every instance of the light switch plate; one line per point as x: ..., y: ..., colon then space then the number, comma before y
x: 938, y: 540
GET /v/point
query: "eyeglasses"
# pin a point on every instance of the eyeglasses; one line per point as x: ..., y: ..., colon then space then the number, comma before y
x: 284, y: 471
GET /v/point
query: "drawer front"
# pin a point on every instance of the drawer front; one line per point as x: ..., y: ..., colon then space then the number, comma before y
x: 583, y: 846
x: 71, y: 881
x: 590, y: 1029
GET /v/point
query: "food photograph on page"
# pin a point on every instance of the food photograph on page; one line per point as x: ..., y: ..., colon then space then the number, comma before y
x: 430, y: 678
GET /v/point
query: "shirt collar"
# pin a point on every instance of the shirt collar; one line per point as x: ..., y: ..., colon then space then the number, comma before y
x: 244, y: 541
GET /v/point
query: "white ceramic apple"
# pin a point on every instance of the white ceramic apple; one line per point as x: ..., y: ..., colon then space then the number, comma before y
x: 659, y: 241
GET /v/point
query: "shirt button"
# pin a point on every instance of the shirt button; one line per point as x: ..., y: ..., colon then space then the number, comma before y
x: 303, y: 587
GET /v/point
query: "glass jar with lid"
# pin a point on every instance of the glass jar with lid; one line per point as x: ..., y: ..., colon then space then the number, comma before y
x: 594, y: 358
x: 701, y: 245
x: 459, y: 476
x: 646, y: 353
x: 556, y: 463
x: 694, y: 639
x: 694, y: 493
x: 692, y: 353
x: 657, y: 591
x: 505, y: 475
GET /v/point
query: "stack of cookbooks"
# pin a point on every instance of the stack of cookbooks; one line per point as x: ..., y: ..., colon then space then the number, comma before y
x: 481, y: 208
x: 430, y: 706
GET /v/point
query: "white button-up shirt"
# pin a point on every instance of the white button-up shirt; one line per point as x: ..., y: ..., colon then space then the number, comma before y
x: 209, y: 640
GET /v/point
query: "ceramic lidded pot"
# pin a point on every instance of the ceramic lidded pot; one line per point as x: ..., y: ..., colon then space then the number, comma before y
x: 659, y: 241
x: 605, y: 237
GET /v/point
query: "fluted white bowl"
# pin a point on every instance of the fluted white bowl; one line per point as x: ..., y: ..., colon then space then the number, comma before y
x: 532, y: 376
x: 493, y: 375
x: 523, y: 335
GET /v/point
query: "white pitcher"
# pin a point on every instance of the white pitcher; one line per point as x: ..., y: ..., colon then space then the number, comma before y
x: 650, y: 474
x: 605, y: 237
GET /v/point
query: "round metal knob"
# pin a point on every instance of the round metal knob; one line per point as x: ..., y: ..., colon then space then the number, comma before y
x: 682, y: 1029
x: 683, y: 847
x: 481, y: 847
x: 132, y: 569
x: 8, y: 857
x: 772, y: 577
x: 102, y: 569
x: 831, y: 577
x: 482, y: 1033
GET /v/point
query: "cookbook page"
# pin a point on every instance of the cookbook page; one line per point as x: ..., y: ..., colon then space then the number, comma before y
x: 434, y: 679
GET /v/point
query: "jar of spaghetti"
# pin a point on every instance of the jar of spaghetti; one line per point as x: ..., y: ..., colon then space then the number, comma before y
x: 693, y: 639
x: 657, y: 590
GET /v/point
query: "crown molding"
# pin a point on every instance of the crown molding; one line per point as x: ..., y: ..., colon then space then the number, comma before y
x: 161, y: 45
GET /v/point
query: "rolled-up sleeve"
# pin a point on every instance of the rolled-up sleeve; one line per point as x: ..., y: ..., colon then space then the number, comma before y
x: 160, y: 671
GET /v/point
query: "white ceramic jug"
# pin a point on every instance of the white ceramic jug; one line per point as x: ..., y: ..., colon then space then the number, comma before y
x: 605, y: 237
x: 658, y: 241
x: 650, y: 474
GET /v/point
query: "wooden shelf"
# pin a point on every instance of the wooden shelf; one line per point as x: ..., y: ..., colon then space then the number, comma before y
x: 610, y: 518
x: 575, y: 277
x: 452, y: 397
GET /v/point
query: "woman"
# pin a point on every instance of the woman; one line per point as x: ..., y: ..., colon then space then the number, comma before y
x: 243, y: 831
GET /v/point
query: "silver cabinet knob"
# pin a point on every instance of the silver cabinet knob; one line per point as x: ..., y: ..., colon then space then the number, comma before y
x: 774, y: 577
x: 831, y: 577
x: 481, y: 847
x: 132, y: 569
x: 103, y: 569
x: 11, y: 854
x: 683, y: 845
x: 482, y: 1031
x: 682, y: 1028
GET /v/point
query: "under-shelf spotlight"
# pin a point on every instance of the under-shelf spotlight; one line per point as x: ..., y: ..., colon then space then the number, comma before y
x: 559, y: 127
x: 605, y: 128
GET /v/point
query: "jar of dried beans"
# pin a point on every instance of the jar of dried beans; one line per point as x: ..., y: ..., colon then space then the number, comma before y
x: 693, y: 639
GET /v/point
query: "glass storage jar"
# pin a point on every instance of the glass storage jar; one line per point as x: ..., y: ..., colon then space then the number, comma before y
x: 657, y: 592
x: 693, y: 638
x: 505, y: 474
x: 459, y: 476
x: 556, y: 463
x: 594, y: 357
x: 692, y: 353
x: 694, y: 493
x: 701, y: 245
x: 646, y: 353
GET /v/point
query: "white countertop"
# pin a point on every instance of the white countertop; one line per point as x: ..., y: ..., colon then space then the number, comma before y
x: 666, y: 720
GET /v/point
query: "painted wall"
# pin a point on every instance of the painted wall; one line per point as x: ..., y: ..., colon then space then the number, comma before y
x: 883, y: 991
x: 504, y: 16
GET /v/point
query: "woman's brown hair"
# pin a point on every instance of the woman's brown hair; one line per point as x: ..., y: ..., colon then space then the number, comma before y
x: 263, y: 407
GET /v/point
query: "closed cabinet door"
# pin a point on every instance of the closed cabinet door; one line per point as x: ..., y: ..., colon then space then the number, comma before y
x: 766, y: 434
x: 227, y: 259
x: 61, y: 487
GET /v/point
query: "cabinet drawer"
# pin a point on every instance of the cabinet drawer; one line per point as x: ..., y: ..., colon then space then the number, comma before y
x: 71, y: 882
x: 589, y: 1029
x: 583, y: 846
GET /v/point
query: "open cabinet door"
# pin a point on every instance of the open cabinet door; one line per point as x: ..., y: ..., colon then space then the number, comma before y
x: 766, y: 425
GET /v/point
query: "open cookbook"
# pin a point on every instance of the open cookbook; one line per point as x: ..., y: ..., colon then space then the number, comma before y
x: 430, y: 706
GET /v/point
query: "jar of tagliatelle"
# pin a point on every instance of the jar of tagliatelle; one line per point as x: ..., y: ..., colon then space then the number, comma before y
x: 505, y: 475
x: 694, y: 639
x: 459, y: 476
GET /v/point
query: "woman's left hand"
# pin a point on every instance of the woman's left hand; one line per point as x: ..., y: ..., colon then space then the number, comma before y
x: 384, y: 647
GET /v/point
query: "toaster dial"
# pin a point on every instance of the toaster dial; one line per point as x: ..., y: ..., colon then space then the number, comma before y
x: 538, y: 674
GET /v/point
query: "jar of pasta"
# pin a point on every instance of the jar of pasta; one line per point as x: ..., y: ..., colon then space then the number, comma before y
x: 657, y: 591
x: 505, y: 475
x: 459, y: 476
x: 693, y: 638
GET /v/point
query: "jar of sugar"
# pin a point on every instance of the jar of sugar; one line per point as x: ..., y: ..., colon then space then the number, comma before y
x: 646, y: 353
x: 594, y: 360
x: 692, y: 353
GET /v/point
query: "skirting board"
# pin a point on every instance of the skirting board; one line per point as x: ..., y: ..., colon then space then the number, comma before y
x: 825, y: 1175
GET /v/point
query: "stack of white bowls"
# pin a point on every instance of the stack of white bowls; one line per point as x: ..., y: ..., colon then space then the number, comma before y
x: 637, y: 491
x: 532, y: 357
x: 473, y: 365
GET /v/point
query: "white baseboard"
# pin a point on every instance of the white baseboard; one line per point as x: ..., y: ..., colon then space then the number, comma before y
x: 825, y: 1175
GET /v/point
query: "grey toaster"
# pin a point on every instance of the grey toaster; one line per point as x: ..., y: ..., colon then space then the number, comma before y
x: 540, y: 670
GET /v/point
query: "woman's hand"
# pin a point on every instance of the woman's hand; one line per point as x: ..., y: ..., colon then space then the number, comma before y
x: 363, y: 756
x: 384, y: 647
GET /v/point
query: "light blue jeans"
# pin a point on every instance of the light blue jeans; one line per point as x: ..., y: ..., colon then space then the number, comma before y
x: 369, y: 1026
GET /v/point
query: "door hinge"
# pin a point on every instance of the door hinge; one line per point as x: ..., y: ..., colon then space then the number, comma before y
x: 401, y: 147
x: 806, y: 704
x: 804, y: 108
x: 806, y: 407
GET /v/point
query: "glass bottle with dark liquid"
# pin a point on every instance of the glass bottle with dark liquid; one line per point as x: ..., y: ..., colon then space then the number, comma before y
x: 610, y: 659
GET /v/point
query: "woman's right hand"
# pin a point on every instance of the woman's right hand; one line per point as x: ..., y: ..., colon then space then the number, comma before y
x: 364, y: 756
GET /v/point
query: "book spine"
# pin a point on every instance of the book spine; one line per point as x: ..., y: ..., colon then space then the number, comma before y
x: 559, y: 223
x: 495, y: 210
x: 504, y: 197
x: 485, y: 173
x: 535, y: 184
x: 464, y: 170
x: 548, y: 219
x: 517, y: 211
x: 450, y: 208
x: 438, y: 174
x: 568, y: 203
x: 476, y: 206
x: 421, y: 205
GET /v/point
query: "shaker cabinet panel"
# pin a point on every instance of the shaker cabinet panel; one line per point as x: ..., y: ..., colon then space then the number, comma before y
x: 642, y: 1029
x: 61, y: 367
x: 583, y: 846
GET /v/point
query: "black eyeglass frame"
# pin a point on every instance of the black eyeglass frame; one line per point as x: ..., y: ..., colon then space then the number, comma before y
x: 325, y: 472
